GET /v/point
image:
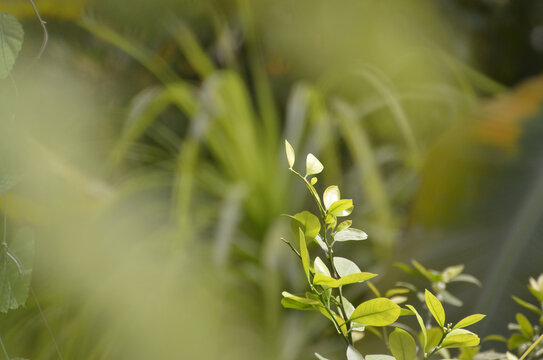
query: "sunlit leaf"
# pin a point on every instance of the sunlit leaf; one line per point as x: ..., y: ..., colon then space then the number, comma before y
x: 308, y: 222
x: 434, y: 336
x: 421, y: 324
x: 516, y: 340
x: 466, y: 278
x: 350, y: 234
x: 402, y: 345
x: 344, y: 225
x: 304, y: 254
x: 341, y: 207
x: 435, y: 307
x: 290, y: 154
x: 460, y: 338
x: 321, y: 279
x: 406, y: 312
x: 313, y: 180
x: 376, y: 312
x: 345, y: 267
x: 469, y: 320
x: 425, y: 272
x: 16, y: 271
x: 495, y: 338
x: 353, y: 354
x: 527, y: 305
x: 320, y: 267
x: 11, y: 41
x: 330, y: 196
x: 313, y: 165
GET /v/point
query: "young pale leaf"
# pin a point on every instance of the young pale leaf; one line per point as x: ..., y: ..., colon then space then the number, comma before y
x: 538, y: 294
x: 341, y: 207
x: 345, y: 267
x: 320, y: 267
x: 509, y: 356
x: 450, y: 299
x: 321, y: 243
x: 421, y: 324
x: 402, y: 345
x: 527, y: 305
x: 525, y: 327
x: 16, y: 271
x: 330, y: 196
x: 460, y: 338
x: 350, y: 234
x: 320, y: 357
x: 466, y: 278
x: 353, y: 354
x: 435, y: 307
x: 309, y: 223
x: 313, y: 180
x: 304, y: 254
x: 379, y: 357
x: 469, y: 320
x: 425, y: 272
x: 376, y: 312
x: 313, y: 165
x: 517, y: 340
x: 290, y: 154
x: 11, y: 41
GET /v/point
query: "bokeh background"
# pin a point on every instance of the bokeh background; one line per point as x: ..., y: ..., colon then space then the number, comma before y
x: 148, y: 148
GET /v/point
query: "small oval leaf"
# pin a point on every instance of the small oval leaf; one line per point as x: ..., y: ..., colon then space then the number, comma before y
x: 376, y: 312
x: 350, y: 234
x: 402, y: 345
x: 291, y: 157
x: 313, y: 165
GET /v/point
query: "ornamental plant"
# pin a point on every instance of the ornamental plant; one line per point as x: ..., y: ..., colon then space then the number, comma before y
x: 327, y: 274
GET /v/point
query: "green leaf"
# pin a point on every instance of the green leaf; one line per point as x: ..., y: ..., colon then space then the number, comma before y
x: 320, y: 267
x: 344, y: 225
x: 527, y: 305
x: 11, y: 41
x: 308, y: 222
x: 525, y: 327
x: 350, y: 234
x: 321, y: 279
x: 435, y: 307
x: 353, y: 354
x: 495, y: 338
x: 330, y: 196
x: 516, y: 340
x: 313, y: 181
x: 341, y: 207
x: 304, y: 254
x: 290, y: 301
x: 376, y: 312
x: 434, y: 337
x: 16, y: 271
x: 538, y: 294
x: 452, y: 272
x: 402, y: 345
x: 466, y: 278
x: 460, y: 338
x: 345, y: 267
x: 313, y: 165
x: 469, y: 320
x: 421, y: 324
x: 290, y: 154
x: 405, y: 312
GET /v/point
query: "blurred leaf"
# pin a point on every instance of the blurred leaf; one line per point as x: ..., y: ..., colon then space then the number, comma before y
x: 525, y: 326
x: 320, y: 357
x: 516, y: 340
x: 350, y: 234
x: 460, y: 338
x: 402, y: 345
x: 466, y: 278
x: 290, y: 301
x: 435, y: 307
x: 344, y: 225
x: 345, y: 267
x: 376, y: 312
x: 538, y: 294
x: 16, y: 271
x: 451, y: 272
x: 450, y: 298
x: 321, y: 279
x: 290, y: 154
x: 469, y: 320
x: 425, y: 272
x: 308, y: 222
x: 396, y: 291
x: 495, y: 338
x: 313, y: 165
x: 527, y: 305
x: 11, y: 41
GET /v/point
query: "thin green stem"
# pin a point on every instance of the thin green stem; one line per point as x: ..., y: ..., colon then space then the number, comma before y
x: 312, y: 191
x: 532, y: 347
